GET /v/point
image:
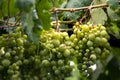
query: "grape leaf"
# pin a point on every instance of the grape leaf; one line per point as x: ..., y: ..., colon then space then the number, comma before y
x: 31, y: 25
x: 8, y: 7
x: 113, y: 3
x: 98, y: 16
x: 113, y: 16
x: 75, y: 4
x: 43, y: 8
x: 27, y: 23
x: 25, y: 5
x: 114, y: 29
x: 99, y: 2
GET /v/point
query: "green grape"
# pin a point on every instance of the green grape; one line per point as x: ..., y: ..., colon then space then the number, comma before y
x: 6, y: 62
x: 66, y: 53
x: 62, y: 47
x: 15, y: 66
x: 91, y: 36
x: 103, y: 41
x: 10, y: 71
x: 84, y: 67
x: 25, y: 36
x: 89, y: 43
x: 85, y: 59
x: 59, y: 55
x: 98, y: 50
x: 7, y: 55
x: 56, y: 43
x: 85, y: 28
x: 57, y: 72
x: 93, y: 57
x: 45, y: 63
x: 84, y: 40
x: 103, y: 33
x: 56, y: 35
x: 89, y: 70
x: 60, y: 62
x: 19, y: 42
x: 72, y: 37
x: 25, y: 61
x: 79, y: 34
x: 75, y: 40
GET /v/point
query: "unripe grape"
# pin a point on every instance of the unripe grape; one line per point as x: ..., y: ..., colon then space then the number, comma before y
x: 93, y: 57
x: 20, y: 42
x: 6, y: 62
x: 10, y: 71
x: 72, y: 37
x: 75, y: 40
x: 84, y: 67
x: 45, y: 63
x: 79, y: 34
x: 56, y: 43
x: 89, y: 43
x: 91, y: 36
x: 56, y: 35
x: 104, y: 41
x: 89, y: 70
x: 7, y: 55
x: 98, y: 50
x: 103, y: 33
x: 25, y: 61
x: 84, y: 40
x: 66, y: 53
x: 25, y: 36
x: 85, y: 58
x: 85, y: 28
x: 77, y: 24
x: 59, y: 55
x: 62, y: 47
x: 57, y: 72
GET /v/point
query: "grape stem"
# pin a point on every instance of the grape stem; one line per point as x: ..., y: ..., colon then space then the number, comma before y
x: 67, y: 29
x: 10, y: 23
x: 80, y: 8
x: 64, y: 22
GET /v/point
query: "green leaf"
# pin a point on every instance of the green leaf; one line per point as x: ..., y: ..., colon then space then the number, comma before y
x: 100, y: 2
x: 28, y: 23
x: 75, y: 4
x: 113, y: 3
x: 8, y: 8
x: 98, y: 16
x: 114, y: 29
x: 25, y: 5
x: 116, y: 51
x: 113, y: 16
x: 44, y: 14
x: 57, y: 3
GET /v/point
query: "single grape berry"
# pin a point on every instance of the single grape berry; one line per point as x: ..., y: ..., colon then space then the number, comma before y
x: 6, y: 62
x: 93, y: 56
x: 66, y: 53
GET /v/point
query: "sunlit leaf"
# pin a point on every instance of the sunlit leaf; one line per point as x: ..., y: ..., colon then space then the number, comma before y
x: 98, y: 16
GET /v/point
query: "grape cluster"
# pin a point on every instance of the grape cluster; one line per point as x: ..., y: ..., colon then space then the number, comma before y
x: 11, y: 54
x: 21, y: 59
x: 56, y: 53
x: 90, y: 43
